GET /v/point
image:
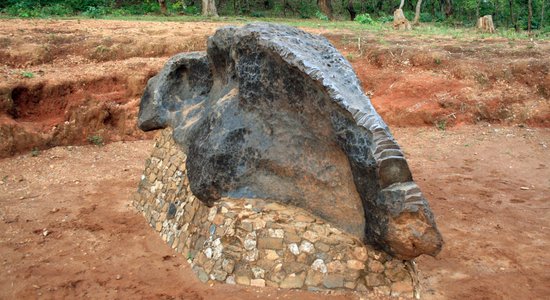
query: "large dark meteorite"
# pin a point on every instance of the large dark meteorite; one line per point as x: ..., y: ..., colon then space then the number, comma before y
x: 272, y: 112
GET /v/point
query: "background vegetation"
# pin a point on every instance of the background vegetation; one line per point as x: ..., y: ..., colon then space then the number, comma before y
x: 455, y: 13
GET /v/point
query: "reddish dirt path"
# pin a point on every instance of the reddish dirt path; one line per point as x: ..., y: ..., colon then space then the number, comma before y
x: 496, y: 232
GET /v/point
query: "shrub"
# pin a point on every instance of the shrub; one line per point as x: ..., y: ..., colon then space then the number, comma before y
x: 306, y: 10
x: 277, y: 8
x: 257, y: 14
x: 364, y: 19
x: 23, y: 9
x: 385, y: 19
x: 27, y: 74
x: 523, y: 23
x: 35, y: 152
x: 192, y: 10
x: 95, y: 12
x: 84, y: 5
x: 439, y: 17
x: 57, y: 9
x: 441, y: 124
x: 319, y: 15
x: 96, y: 140
x: 145, y: 7
x: 426, y: 17
x: 119, y: 12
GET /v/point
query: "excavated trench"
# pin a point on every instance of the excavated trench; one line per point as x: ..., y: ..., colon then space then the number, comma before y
x: 46, y: 114
x: 68, y: 85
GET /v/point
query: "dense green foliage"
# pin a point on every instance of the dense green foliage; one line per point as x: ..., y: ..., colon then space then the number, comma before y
x: 89, y: 8
x: 364, y: 19
x: 506, y: 13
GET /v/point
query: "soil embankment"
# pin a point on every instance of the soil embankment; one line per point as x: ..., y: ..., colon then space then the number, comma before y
x: 72, y: 82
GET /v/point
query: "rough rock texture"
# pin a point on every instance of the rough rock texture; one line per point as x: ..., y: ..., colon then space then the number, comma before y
x: 272, y: 112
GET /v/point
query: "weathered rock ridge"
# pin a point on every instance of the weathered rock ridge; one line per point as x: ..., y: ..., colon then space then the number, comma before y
x: 272, y: 112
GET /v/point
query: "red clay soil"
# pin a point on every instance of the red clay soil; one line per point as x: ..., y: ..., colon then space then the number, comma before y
x: 67, y: 229
x: 65, y: 82
x: 489, y: 188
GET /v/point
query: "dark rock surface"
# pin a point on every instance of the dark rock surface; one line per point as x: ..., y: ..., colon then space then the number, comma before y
x: 276, y: 113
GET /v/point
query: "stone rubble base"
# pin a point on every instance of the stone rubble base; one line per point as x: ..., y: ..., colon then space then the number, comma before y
x: 258, y: 242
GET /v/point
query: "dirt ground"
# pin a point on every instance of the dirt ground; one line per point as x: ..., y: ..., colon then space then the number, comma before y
x: 67, y: 229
